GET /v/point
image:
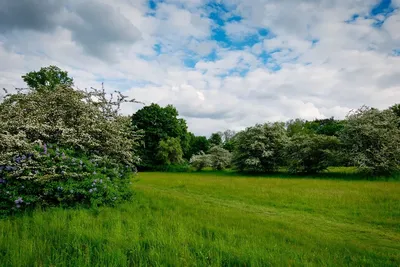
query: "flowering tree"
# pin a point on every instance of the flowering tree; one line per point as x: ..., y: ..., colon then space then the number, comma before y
x: 64, y: 138
x: 260, y: 148
x: 220, y: 158
x: 200, y: 161
x: 372, y: 139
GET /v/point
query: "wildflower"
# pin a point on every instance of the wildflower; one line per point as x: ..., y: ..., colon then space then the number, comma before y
x: 90, y: 190
x: 62, y: 172
x: 80, y: 162
x: 71, y: 191
x: 18, y: 160
x: 63, y: 155
x: 23, y: 157
x: 2, y: 181
x: 22, y: 186
x: 36, y: 171
x: 101, y: 181
x: 94, y: 172
x: 19, y: 201
x: 95, y: 189
x: 45, y: 148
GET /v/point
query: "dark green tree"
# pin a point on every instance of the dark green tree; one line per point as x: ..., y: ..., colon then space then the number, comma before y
x: 158, y: 123
x: 196, y: 145
x: 311, y: 153
x: 215, y: 139
x: 47, y: 78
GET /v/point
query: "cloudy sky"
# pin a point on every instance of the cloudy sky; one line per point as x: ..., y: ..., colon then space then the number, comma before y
x: 225, y: 64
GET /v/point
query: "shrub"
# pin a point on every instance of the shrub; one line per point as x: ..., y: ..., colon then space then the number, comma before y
x: 260, y: 148
x: 372, y: 139
x: 79, y: 126
x: 200, y: 161
x: 310, y: 153
x: 220, y: 158
x: 53, y: 176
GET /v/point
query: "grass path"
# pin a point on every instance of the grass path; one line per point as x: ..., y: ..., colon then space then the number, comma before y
x: 219, y: 220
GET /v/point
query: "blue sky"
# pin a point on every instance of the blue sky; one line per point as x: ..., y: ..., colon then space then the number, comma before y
x: 224, y: 64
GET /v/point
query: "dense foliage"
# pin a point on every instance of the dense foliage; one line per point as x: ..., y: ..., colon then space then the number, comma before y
x: 311, y: 153
x: 260, y: 148
x: 47, y: 78
x: 64, y: 146
x: 200, y: 161
x: 220, y: 158
x: 170, y: 151
x: 158, y: 123
x: 372, y: 138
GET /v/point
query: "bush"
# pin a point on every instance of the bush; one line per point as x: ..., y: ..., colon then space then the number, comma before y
x: 220, y: 158
x: 53, y: 177
x: 372, y: 139
x: 200, y: 161
x: 44, y: 133
x: 260, y: 148
x: 310, y: 153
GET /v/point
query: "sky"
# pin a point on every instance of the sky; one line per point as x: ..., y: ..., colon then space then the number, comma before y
x: 224, y: 64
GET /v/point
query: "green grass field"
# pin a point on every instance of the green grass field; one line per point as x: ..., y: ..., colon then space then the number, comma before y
x: 217, y: 219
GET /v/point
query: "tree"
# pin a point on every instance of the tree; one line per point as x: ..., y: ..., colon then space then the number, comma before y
x: 260, y: 148
x: 64, y: 146
x: 220, y: 158
x: 215, y: 139
x: 170, y: 151
x: 372, y: 139
x: 200, y: 161
x: 297, y: 126
x: 159, y: 123
x: 197, y: 144
x: 329, y: 126
x: 47, y: 78
x: 310, y: 153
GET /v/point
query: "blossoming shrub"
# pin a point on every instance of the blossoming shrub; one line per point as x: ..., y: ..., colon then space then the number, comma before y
x: 200, y: 161
x: 61, y: 177
x: 64, y: 147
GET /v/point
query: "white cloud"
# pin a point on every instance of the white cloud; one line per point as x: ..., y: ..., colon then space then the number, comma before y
x: 350, y: 65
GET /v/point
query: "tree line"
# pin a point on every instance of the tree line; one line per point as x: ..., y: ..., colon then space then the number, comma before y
x: 60, y: 145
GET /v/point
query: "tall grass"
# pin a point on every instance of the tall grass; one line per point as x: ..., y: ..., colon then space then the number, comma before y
x: 217, y: 219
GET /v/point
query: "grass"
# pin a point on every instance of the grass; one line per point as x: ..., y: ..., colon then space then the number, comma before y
x: 218, y: 219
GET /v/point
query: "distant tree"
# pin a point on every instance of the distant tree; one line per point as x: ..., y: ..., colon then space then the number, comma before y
x: 396, y: 109
x: 215, y: 139
x: 220, y: 158
x: 260, y: 148
x: 169, y: 151
x: 296, y: 126
x: 372, y: 139
x: 158, y: 123
x: 200, y: 161
x: 196, y: 145
x: 47, y: 78
x: 329, y: 126
x: 311, y: 153
x: 228, y: 140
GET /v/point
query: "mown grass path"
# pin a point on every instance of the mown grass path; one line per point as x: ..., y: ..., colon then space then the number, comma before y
x: 217, y: 219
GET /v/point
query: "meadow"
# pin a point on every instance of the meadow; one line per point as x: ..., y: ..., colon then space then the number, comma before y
x: 217, y: 219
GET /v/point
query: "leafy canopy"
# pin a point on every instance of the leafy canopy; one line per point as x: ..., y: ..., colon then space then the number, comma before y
x: 47, y: 78
x: 159, y: 123
x: 372, y: 138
